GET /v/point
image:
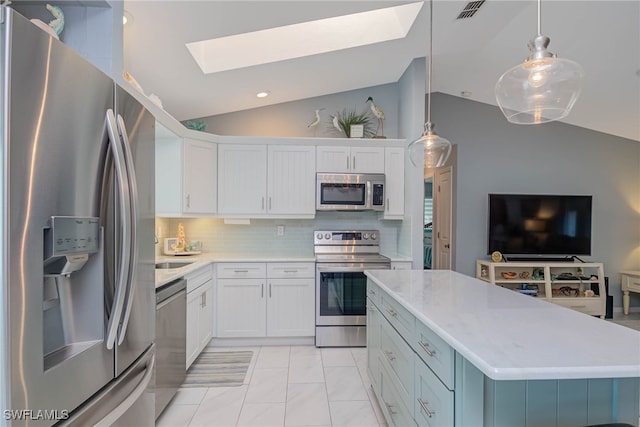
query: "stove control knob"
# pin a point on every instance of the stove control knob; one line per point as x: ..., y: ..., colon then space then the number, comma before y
x: 365, y: 236
x: 374, y: 236
x: 319, y: 236
x: 327, y: 236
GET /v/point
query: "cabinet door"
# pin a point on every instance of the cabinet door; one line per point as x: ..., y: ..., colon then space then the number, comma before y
x: 193, y: 314
x: 433, y: 401
x: 394, y: 182
x: 240, y: 308
x: 291, y: 308
x: 367, y: 160
x: 333, y: 159
x: 168, y: 173
x: 200, y: 177
x: 242, y: 179
x: 291, y: 179
x: 205, y: 322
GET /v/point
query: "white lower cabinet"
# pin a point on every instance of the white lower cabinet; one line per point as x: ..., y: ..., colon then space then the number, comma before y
x: 278, y: 303
x: 199, y: 312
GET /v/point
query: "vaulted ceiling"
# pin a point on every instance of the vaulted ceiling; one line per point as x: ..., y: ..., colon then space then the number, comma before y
x: 469, y: 54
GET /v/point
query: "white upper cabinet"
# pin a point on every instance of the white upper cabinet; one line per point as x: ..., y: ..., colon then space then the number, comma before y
x: 346, y: 159
x: 200, y: 177
x: 291, y: 180
x: 394, y: 183
x: 261, y: 180
x: 186, y: 178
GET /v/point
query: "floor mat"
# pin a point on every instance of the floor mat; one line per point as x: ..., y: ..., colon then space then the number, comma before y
x: 218, y: 369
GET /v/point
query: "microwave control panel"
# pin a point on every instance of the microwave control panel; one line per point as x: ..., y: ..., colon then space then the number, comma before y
x: 378, y: 195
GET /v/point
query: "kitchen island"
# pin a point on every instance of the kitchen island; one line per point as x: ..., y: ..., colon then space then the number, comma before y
x: 448, y: 349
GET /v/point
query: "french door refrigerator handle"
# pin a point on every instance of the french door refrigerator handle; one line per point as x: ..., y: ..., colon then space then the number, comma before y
x: 133, y: 216
x: 123, y: 184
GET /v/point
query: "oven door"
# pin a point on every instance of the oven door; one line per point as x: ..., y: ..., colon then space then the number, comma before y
x: 341, y: 293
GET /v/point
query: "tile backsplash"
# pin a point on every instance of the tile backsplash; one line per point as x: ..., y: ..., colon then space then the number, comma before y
x: 260, y: 235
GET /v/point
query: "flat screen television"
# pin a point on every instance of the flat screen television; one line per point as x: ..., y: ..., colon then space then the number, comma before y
x: 539, y: 225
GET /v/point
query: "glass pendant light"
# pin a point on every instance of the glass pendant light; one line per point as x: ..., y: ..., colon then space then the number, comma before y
x: 430, y: 150
x: 542, y: 89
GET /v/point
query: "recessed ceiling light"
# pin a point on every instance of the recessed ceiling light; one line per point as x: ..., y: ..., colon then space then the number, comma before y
x: 263, y: 94
x: 304, y: 39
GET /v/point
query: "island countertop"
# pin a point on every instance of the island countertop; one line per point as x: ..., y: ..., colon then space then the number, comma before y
x: 510, y: 336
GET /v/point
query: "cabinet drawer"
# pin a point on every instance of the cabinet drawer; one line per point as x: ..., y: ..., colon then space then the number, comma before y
x: 436, y: 353
x: 397, y: 354
x: 286, y: 270
x: 398, y: 316
x: 433, y: 403
x: 253, y: 270
x: 630, y: 283
x: 392, y: 405
x: 198, y: 278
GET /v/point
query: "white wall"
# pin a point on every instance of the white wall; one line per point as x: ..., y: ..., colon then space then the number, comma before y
x: 292, y: 118
x: 494, y: 156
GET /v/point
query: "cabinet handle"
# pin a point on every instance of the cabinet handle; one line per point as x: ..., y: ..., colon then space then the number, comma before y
x: 347, y: 162
x: 423, y: 405
x: 392, y: 312
x: 387, y: 204
x: 262, y: 204
x: 262, y: 290
x: 269, y: 290
x: 188, y: 200
x: 390, y: 408
x: 372, y: 309
x: 390, y: 355
x: 269, y: 202
x: 426, y: 348
x: 290, y: 271
x: 447, y: 246
x: 354, y: 162
x: 240, y: 271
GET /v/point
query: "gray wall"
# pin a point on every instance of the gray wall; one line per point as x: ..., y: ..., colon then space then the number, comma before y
x: 292, y: 118
x: 494, y: 156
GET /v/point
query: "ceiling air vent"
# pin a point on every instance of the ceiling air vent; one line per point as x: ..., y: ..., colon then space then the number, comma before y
x: 470, y: 9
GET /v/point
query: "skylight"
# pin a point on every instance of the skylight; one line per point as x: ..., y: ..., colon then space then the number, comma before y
x: 304, y: 39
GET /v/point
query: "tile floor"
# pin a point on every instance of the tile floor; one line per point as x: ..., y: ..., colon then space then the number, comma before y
x: 294, y: 386
x: 285, y: 386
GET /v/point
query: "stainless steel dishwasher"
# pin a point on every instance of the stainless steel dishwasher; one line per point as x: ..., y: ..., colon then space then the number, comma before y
x: 171, y: 340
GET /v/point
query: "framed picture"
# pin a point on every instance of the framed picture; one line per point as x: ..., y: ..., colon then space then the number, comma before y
x: 170, y: 244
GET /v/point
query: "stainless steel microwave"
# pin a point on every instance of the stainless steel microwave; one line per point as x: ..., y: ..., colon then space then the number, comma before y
x: 350, y: 192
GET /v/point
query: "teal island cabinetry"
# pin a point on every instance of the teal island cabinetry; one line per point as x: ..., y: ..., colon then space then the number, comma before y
x: 445, y: 349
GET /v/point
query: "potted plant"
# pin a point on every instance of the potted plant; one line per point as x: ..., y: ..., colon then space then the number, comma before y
x: 343, y: 120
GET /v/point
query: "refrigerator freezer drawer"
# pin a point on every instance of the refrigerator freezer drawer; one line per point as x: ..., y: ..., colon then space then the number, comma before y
x: 126, y: 401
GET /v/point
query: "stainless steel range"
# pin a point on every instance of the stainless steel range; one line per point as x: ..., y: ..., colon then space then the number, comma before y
x: 341, y: 286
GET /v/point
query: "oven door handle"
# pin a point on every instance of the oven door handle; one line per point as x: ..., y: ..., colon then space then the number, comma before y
x: 340, y: 269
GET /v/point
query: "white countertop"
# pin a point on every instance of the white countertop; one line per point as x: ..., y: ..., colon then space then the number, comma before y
x: 197, y: 261
x: 510, y: 336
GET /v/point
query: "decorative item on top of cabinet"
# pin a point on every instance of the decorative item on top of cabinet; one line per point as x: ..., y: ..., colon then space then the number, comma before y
x: 346, y: 118
x: 379, y: 114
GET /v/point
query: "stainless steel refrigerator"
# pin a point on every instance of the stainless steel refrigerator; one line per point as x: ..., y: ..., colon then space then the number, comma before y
x: 78, y: 238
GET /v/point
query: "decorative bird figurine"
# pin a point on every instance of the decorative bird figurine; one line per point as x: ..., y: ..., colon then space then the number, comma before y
x: 334, y: 121
x: 315, y: 121
x: 377, y: 111
x: 58, y: 23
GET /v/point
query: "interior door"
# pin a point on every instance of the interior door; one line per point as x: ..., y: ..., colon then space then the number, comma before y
x: 443, y: 188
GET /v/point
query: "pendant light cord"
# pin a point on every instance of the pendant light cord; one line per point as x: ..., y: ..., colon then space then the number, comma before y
x: 430, y: 61
x: 539, y: 24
